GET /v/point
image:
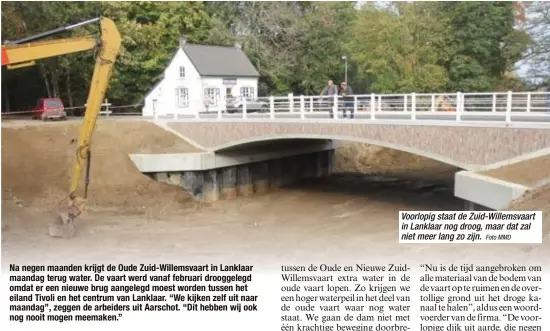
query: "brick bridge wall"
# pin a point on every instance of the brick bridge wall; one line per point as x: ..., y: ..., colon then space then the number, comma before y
x: 468, y: 147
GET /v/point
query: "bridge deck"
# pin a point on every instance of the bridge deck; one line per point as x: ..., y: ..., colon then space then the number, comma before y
x: 468, y: 147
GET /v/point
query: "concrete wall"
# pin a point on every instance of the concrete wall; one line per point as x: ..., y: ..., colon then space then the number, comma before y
x: 169, y: 162
x: 248, y: 179
x: 486, y: 191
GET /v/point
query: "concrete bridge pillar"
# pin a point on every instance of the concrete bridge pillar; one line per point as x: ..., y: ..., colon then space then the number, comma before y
x: 229, y: 183
x: 244, y: 180
x: 275, y: 167
x: 288, y: 170
x: 301, y: 166
x: 193, y: 182
x: 260, y: 176
x: 325, y: 162
x: 319, y: 164
x: 211, y: 185
x: 311, y: 165
x: 331, y: 161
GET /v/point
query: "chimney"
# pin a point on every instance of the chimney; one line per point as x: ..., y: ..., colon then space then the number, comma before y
x: 183, y: 41
x: 238, y: 45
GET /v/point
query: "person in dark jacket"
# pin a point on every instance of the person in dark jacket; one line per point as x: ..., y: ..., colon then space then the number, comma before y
x: 347, y: 94
x: 331, y: 90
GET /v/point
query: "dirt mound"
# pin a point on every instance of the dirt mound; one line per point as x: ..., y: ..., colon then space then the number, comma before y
x: 37, y: 161
x: 538, y: 199
x: 370, y: 159
x: 529, y: 172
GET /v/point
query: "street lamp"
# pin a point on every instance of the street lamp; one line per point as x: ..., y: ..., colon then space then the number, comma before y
x: 345, y: 58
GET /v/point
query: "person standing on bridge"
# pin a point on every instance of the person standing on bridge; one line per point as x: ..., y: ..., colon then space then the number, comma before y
x: 331, y: 90
x: 347, y: 94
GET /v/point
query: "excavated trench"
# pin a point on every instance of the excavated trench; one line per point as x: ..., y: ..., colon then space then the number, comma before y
x: 132, y: 216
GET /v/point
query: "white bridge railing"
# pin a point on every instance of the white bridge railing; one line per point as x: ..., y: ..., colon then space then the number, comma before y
x: 501, y: 106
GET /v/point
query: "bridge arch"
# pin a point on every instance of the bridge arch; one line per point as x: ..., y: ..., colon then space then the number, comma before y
x: 292, y: 136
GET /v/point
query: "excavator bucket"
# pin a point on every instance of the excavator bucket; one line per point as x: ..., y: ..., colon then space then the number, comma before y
x: 63, y: 225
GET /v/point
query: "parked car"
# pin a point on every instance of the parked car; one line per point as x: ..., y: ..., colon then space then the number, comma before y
x: 252, y: 106
x: 49, y: 108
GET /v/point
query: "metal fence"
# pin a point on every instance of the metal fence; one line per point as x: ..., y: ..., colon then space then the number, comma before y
x: 501, y: 106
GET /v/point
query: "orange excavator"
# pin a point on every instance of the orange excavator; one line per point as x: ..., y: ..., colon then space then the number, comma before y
x: 24, y: 52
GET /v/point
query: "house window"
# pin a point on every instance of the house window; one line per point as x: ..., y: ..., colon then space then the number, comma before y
x: 182, y: 72
x: 247, y: 92
x: 182, y: 97
x: 211, y: 96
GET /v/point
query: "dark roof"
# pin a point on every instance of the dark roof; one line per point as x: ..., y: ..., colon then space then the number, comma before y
x: 220, y: 61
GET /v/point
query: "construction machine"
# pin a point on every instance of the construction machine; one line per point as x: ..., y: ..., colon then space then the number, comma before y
x: 24, y: 52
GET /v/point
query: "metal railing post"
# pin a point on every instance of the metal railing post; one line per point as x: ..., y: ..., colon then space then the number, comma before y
x: 290, y: 102
x: 107, y: 107
x: 372, y: 106
x: 302, y: 107
x: 433, y: 103
x: 223, y: 105
x: 272, y: 107
x: 509, y: 107
x: 413, y: 106
x: 494, y: 108
x: 528, y: 108
x: 335, y: 107
x: 458, y: 107
x: 354, y: 105
x: 245, y: 112
x: 311, y: 104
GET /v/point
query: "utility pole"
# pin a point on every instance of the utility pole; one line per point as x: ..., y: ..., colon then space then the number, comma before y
x: 345, y: 58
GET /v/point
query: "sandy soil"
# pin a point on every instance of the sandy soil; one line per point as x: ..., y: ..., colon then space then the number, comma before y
x: 532, y: 173
x: 345, y: 217
x: 368, y: 159
x: 538, y: 199
x: 37, y: 161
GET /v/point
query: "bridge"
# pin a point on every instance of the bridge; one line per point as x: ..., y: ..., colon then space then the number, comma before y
x: 472, y: 131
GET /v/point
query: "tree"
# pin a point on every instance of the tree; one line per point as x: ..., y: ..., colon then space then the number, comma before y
x: 150, y: 35
x: 484, y: 43
x: 401, y: 48
x: 537, y: 56
x: 326, y: 32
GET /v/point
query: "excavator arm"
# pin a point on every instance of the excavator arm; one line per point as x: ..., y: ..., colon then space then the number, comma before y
x: 24, y: 52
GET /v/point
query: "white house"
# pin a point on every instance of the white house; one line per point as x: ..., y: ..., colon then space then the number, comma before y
x: 200, y: 78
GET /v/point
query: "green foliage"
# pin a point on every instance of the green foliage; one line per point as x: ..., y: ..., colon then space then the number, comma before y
x: 296, y: 46
x: 401, y: 48
x: 150, y: 31
x: 484, y: 43
x: 322, y: 45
